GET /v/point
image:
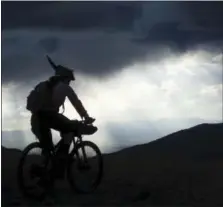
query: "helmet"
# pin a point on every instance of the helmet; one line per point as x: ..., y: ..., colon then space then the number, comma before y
x: 64, y: 72
x: 61, y: 70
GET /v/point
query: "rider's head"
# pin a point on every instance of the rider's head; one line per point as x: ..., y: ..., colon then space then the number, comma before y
x: 66, y: 75
x: 62, y: 73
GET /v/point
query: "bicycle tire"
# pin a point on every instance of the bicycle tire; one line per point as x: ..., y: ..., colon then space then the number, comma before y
x: 70, y: 178
x: 20, y: 178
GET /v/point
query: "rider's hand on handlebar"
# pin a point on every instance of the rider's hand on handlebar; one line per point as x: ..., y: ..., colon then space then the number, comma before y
x: 88, y: 120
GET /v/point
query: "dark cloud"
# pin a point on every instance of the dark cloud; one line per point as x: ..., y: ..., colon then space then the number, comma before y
x: 22, y: 68
x: 182, y: 40
x: 148, y: 23
x: 50, y: 44
x: 68, y: 15
x: 118, y: 14
x: 88, y: 52
x: 92, y: 53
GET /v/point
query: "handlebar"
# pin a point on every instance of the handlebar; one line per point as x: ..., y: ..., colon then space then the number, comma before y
x: 88, y: 120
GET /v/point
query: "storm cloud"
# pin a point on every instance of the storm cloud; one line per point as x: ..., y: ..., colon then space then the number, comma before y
x: 117, y: 14
x: 98, y: 38
x: 89, y: 52
x: 69, y: 15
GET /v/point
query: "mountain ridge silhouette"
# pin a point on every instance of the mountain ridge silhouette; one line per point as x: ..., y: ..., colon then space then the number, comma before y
x: 184, y: 167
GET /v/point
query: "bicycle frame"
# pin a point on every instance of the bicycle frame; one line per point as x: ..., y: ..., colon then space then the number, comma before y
x: 79, y: 141
x: 76, y: 139
x: 74, y: 157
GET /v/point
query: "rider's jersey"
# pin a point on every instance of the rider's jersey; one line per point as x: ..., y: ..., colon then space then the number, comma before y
x: 59, y: 94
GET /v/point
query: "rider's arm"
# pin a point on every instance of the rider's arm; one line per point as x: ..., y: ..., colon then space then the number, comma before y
x: 72, y: 96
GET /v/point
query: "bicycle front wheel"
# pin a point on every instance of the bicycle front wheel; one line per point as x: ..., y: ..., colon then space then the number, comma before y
x: 84, y: 172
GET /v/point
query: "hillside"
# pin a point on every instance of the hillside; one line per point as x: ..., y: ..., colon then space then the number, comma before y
x: 183, y: 168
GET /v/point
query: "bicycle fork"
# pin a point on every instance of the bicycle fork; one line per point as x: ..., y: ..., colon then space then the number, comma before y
x: 82, y: 151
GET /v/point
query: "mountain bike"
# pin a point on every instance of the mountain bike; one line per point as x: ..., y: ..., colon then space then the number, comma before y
x: 77, y: 156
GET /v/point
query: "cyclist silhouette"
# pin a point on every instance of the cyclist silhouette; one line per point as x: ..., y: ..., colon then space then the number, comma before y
x: 44, y: 103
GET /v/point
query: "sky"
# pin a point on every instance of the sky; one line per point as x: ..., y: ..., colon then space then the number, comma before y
x: 143, y: 69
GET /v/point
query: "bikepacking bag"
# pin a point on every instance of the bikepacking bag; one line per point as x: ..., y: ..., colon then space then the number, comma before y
x: 40, y: 97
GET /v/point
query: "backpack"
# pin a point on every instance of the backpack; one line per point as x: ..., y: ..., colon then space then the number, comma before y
x: 39, y: 97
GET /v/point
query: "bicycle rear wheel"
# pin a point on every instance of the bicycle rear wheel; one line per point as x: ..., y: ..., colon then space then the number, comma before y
x: 35, y: 172
x: 84, y: 175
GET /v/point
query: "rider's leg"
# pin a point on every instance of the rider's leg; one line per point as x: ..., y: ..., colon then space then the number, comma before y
x: 66, y: 141
x: 42, y: 132
x: 65, y: 126
x: 62, y: 124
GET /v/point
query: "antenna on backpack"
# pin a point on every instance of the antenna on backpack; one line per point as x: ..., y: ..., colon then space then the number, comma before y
x: 53, y: 65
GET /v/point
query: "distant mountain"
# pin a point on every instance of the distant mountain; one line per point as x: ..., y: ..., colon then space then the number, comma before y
x: 203, y: 139
x: 183, y: 168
